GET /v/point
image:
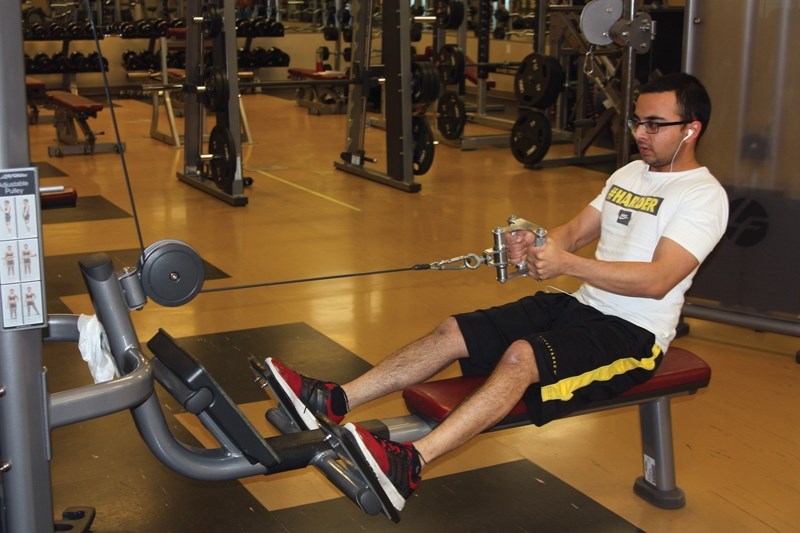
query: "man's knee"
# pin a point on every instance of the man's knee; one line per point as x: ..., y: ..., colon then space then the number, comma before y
x: 520, y: 355
x: 449, y: 328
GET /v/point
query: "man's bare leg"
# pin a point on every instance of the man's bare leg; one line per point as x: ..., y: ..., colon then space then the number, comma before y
x: 489, y: 404
x: 412, y: 364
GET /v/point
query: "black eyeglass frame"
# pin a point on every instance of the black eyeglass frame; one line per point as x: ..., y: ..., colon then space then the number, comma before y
x: 634, y: 124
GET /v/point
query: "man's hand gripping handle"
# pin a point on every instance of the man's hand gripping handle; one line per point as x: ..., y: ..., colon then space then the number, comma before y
x: 497, y: 256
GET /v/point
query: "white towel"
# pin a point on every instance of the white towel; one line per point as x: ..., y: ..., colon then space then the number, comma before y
x: 95, y: 350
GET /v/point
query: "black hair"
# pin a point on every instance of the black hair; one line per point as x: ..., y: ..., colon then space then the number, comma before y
x: 690, y: 95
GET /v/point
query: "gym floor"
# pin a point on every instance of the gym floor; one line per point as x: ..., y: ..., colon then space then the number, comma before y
x: 736, y: 442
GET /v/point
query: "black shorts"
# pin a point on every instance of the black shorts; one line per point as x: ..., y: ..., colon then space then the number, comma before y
x: 582, y: 354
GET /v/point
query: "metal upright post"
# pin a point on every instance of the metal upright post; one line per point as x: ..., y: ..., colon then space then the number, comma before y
x: 628, y: 72
x: 397, y: 70
x: 193, y: 137
x: 361, y: 24
x: 25, y: 495
x: 225, y: 54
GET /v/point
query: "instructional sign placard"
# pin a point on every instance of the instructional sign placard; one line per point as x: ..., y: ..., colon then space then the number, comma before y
x: 21, y: 271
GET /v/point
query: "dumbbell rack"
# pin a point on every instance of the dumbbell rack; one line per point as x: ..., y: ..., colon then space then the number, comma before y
x: 67, y: 70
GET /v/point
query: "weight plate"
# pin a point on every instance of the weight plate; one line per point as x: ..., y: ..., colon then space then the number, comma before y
x: 213, y: 22
x: 451, y: 116
x: 172, y: 272
x: 449, y: 14
x: 424, y: 82
x: 423, y: 145
x: 538, y: 81
x: 222, y: 166
x: 216, y: 92
x: 531, y: 137
x: 451, y: 63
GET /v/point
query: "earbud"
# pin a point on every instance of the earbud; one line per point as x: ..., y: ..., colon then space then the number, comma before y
x: 688, y: 134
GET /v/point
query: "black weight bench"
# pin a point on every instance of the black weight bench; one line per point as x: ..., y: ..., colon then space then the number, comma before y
x: 72, y: 109
x: 321, y: 99
x: 681, y: 372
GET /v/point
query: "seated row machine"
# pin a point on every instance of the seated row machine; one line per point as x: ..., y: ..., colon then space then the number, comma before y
x: 171, y: 273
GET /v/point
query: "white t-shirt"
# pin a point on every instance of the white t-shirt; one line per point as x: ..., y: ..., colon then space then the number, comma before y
x: 638, y: 207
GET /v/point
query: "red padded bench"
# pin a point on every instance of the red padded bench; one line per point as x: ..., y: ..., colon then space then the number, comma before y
x: 681, y: 372
x: 310, y: 74
x: 57, y: 197
x: 72, y: 109
x: 319, y: 98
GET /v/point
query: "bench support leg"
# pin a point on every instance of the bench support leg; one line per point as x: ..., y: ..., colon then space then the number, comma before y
x: 657, y: 485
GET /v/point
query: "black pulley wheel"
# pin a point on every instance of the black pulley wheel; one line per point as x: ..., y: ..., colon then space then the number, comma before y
x: 451, y: 116
x: 172, y: 272
x: 222, y: 166
x: 423, y: 145
x: 531, y: 137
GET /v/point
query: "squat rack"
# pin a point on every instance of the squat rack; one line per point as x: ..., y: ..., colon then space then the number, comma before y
x: 396, y: 51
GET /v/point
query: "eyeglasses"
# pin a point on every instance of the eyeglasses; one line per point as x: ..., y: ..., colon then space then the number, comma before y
x: 650, y: 126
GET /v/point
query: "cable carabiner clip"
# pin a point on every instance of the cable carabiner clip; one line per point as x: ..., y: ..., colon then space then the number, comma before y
x: 469, y: 261
x: 588, y: 62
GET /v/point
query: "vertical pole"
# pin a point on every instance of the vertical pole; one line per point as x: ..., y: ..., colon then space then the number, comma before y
x: 193, y: 133
x: 397, y: 70
x: 226, y: 46
x: 361, y: 24
x: 541, y: 27
x: 628, y: 66
x: 26, y: 498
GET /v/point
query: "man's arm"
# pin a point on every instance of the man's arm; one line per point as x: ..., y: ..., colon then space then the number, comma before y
x: 654, y: 279
x: 578, y: 232
x: 572, y: 236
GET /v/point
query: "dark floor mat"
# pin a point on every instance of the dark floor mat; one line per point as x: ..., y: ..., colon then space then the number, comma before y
x: 299, y: 345
x: 516, y: 496
x: 46, y: 170
x: 87, y: 208
x: 63, y: 276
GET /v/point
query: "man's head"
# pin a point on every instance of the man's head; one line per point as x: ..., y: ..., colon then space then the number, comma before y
x: 693, y: 101
x: 671, y: 114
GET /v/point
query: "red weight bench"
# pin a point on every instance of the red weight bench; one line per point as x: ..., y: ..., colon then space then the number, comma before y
x: 71, y: 110
x: 681, y: 372
x: 321, y: 99
x: 57, y: 197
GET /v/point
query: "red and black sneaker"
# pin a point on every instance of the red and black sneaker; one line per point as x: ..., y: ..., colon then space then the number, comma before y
x: 396, y: 465
x: 304, y: 397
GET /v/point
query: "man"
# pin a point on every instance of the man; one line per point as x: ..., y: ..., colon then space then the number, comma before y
x: 656, y: 221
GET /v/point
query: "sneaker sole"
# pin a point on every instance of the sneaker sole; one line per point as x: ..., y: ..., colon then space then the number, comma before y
x: 349, y: 447
x: 398, y: 502
x: 296, y: 409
